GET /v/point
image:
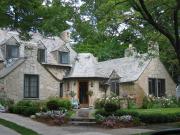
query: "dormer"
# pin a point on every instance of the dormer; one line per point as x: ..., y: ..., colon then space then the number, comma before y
x: 41, y: 53
x: 10, y: 48
x: 63, y: 55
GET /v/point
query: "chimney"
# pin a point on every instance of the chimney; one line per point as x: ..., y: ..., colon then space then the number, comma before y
x: 153, y: 49
x: 131, y: 51
x: 65, y: 36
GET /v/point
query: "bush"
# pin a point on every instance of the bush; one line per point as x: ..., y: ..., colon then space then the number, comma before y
x: 6, y: 102
x: 102, y: 112
x: 58, y: 103
x: 26, y: 107
x: 159, y: 102
x: 153, y: 115
x: 53, y: 104
x: 110, y: 107
x: 65, y: 103
x: 99, y: 103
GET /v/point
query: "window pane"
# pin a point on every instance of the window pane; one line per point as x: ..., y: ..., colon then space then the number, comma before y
x: 64, y: 57
x: 12, y: 51
x: 41, y: 55
x: 31, y: 86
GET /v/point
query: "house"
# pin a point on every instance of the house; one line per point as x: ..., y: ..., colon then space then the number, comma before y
x: 44, y: 67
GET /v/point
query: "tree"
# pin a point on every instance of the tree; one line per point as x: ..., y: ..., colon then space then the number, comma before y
x: 109, y: 26
x: 35, y: 15
x: 164, y: 16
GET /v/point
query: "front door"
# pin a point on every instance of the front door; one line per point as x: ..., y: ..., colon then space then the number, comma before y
x: 83, y: 94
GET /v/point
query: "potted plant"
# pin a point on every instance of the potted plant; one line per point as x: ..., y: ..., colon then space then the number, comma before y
x: 90, y: 93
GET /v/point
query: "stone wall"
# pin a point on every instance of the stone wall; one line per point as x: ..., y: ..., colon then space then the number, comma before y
x: 156, y: 69
x: 93, y: 85
x: 14, y: 82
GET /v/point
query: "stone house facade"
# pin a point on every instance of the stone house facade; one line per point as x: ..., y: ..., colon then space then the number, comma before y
x: 45, y: 67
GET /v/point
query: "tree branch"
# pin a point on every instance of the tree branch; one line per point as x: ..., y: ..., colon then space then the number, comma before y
x: 150, y: 19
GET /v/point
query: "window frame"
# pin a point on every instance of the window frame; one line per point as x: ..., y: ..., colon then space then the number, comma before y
x: 39, y: 55
x: 60, y: 57
x: 116, y: 86
x: 155, y: 89
x: 7, y: 51
x: 31, y: 97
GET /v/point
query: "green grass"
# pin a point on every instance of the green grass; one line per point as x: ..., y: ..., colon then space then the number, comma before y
x: 20, y: 129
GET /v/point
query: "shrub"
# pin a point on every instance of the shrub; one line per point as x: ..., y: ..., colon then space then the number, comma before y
x: 159, y: 102
x: 58, y: 103
x: 99, y: 103
x: 102, y: 112
x: 152, y: 115
x: 53, y: 104
x: 6, y: 102
x: 26, y: 107
x: 110, y: 107
x: 65, y: 103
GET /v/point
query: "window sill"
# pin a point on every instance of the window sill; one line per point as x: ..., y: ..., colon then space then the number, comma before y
x: 31, y: 98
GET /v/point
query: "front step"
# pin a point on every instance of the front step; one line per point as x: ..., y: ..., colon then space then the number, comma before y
x: 82, y: 123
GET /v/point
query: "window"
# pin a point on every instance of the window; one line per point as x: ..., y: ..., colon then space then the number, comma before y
x: 31, y: 86
x: 115, y: 87
x: 61, y: 90
x: 12, y: 51
x: 64, y: 57
x: 157, y: 87
x: 41, y: 56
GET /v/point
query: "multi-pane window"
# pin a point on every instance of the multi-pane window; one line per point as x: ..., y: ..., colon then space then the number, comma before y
x: 157, y: 87
x: 41, y: 55
x: 31, y: 86
x: 12, y: 51
x: 64, y: 57
x: 115, y: 87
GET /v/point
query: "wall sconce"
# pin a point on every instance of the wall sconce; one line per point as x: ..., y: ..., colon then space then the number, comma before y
x: 74, y: 83
x: 92, y: 83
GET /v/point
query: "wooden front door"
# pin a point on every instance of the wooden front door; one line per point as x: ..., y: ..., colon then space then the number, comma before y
x: 83, y: 94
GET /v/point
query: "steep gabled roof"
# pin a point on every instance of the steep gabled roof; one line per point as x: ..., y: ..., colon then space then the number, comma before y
x: 6, y: 70
x: 85, y: 66
x: 128, y: 68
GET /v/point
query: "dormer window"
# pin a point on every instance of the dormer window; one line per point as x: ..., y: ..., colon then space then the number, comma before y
x: 64, y: 57
x: 41, y: 55
x: 12, y: 51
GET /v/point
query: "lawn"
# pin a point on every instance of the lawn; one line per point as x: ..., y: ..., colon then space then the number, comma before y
x: 157, y: 115
x: 20, y: 129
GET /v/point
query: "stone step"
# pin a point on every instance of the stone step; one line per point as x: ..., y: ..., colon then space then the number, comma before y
x: 83, y: 119
x: 82, y: 123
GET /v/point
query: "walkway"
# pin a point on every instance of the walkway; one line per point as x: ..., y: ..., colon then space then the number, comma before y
x: 7, y: 131
x: 44, y: 129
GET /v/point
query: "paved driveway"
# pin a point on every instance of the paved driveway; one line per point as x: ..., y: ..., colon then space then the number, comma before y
x: 7, y: 131
x: 67, y: 130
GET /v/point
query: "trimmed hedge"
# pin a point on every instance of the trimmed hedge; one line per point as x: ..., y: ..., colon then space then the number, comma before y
x: 162, y: 115
x: 153, y: 115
